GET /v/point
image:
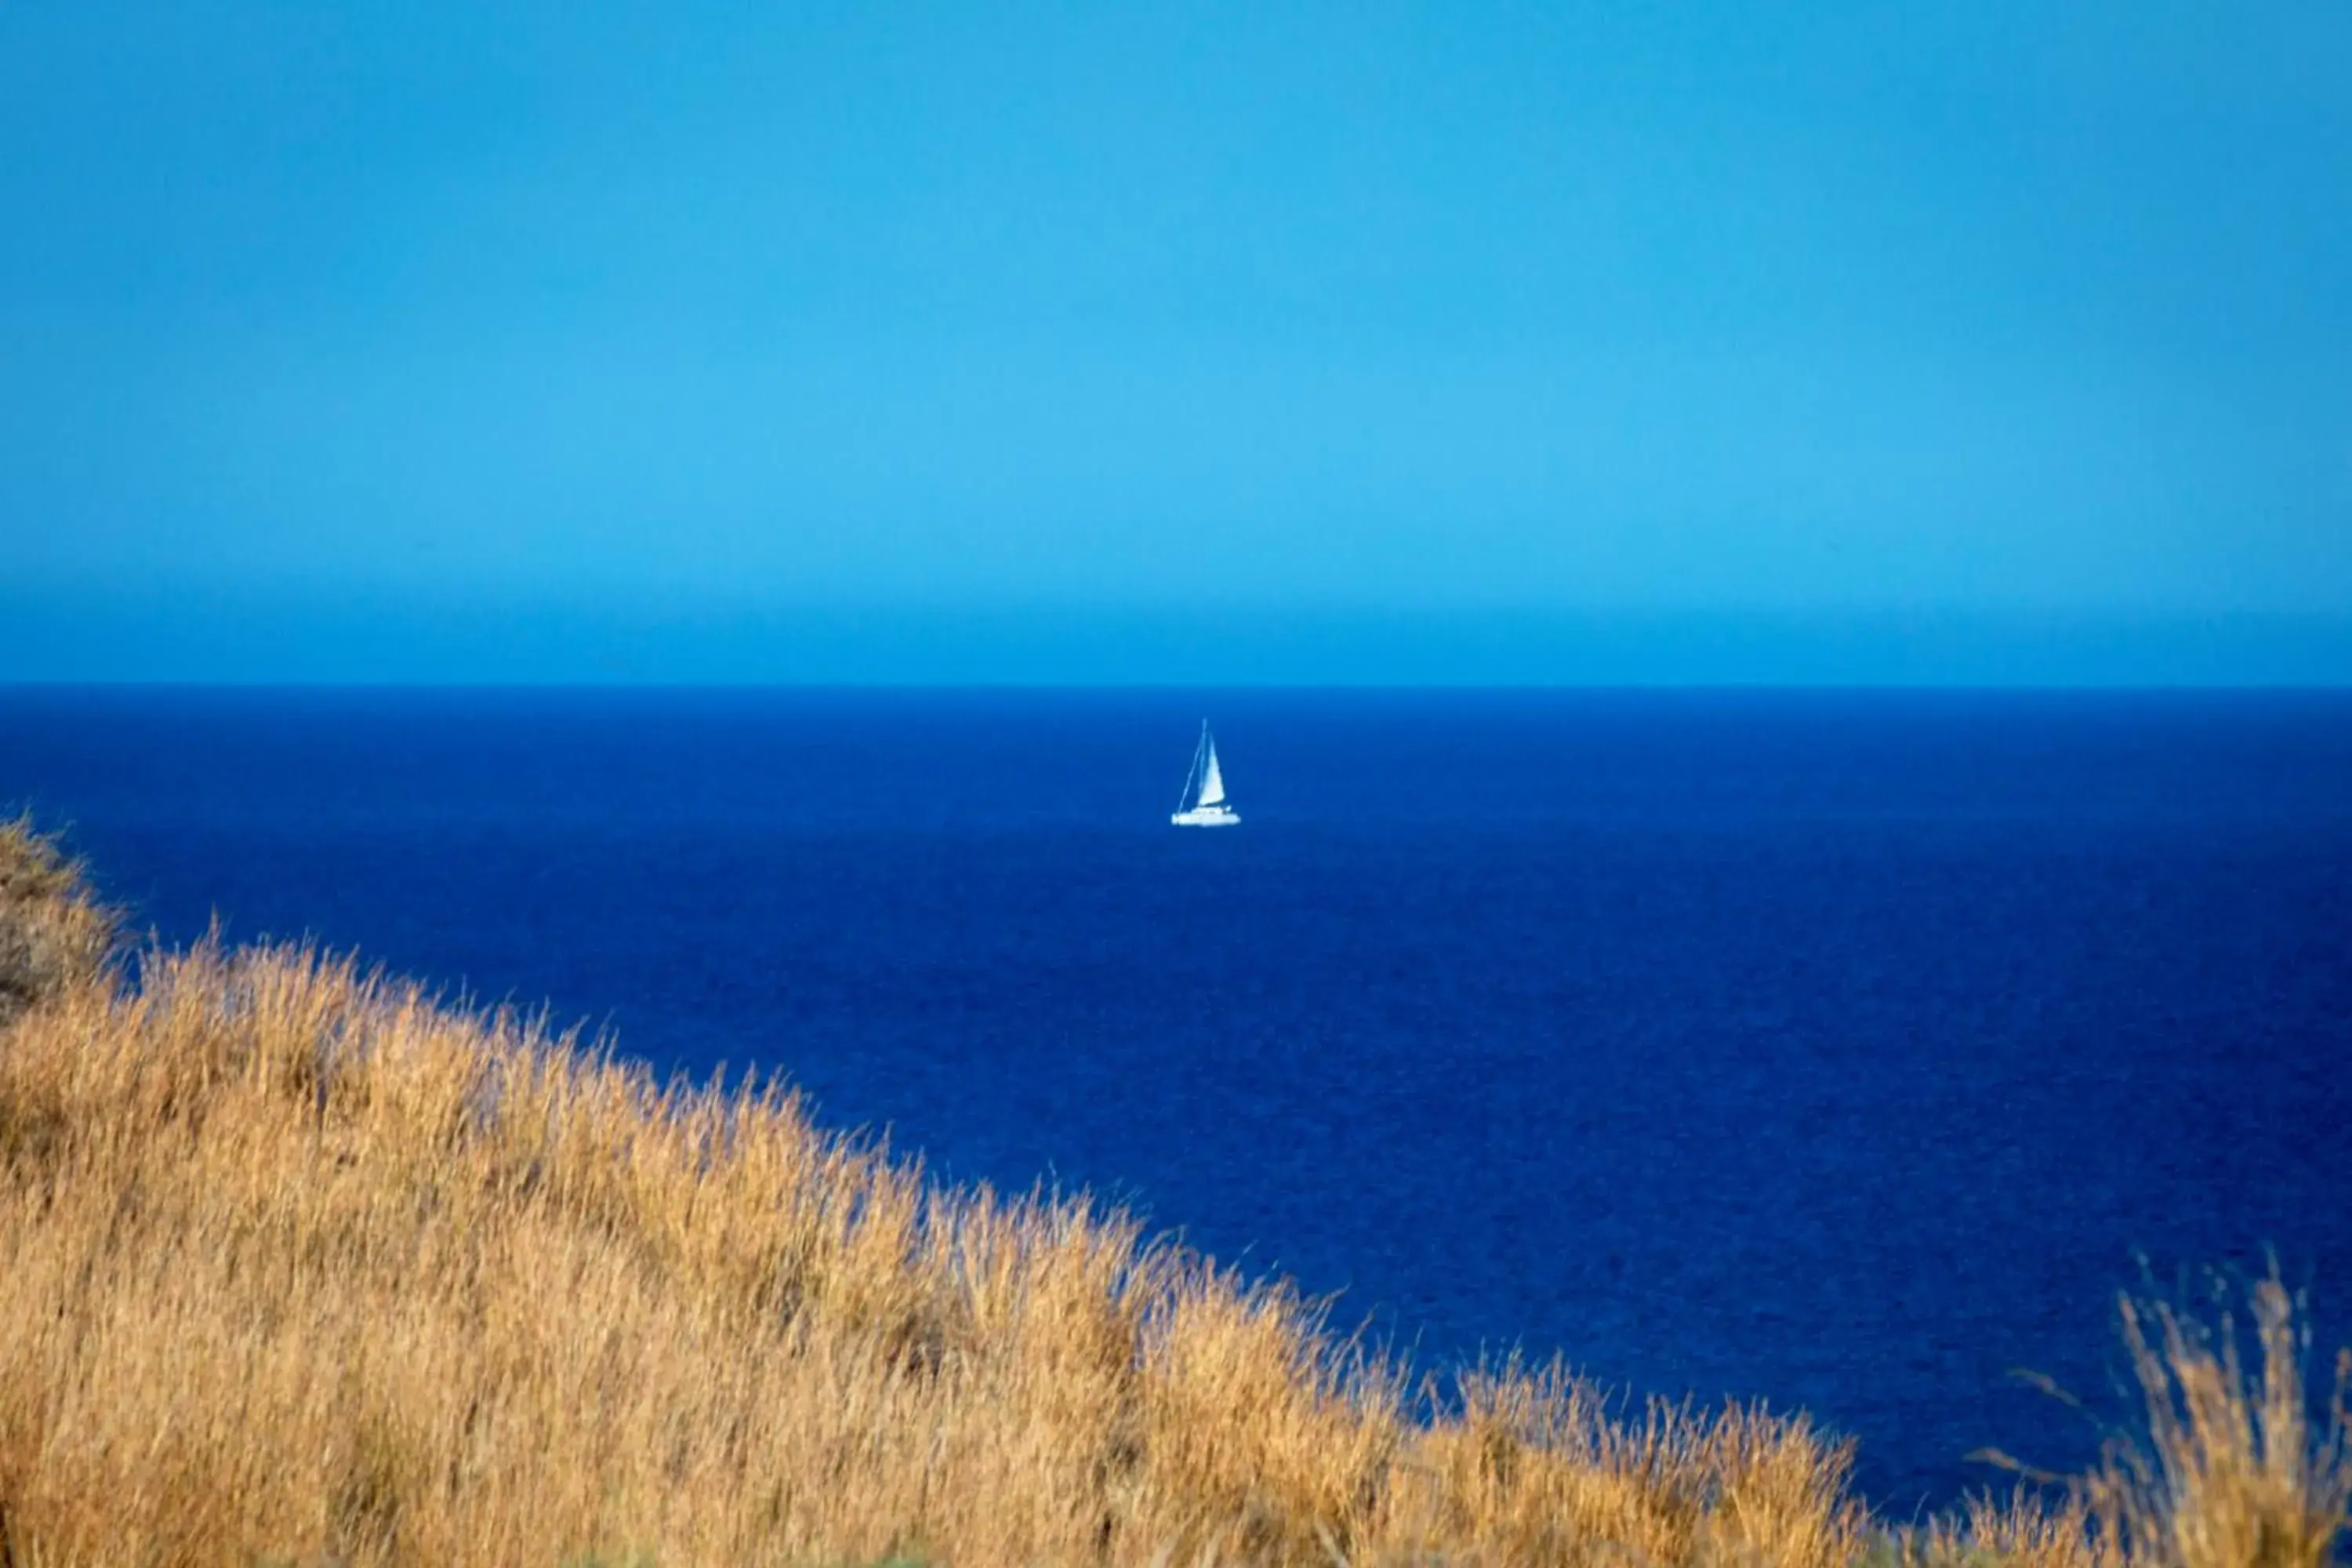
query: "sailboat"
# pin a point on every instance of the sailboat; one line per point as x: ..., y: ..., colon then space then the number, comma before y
x: 1205, y: 786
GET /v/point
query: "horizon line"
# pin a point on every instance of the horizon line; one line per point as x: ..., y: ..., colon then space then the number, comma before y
x: 1955, y: 688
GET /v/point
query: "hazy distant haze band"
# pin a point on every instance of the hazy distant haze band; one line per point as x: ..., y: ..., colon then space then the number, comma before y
x: 380, y: 638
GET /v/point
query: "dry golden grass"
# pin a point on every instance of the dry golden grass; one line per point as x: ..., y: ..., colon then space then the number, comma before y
x: 53, y: 933
x: 2228, y: 1471
x: 298, y: 1265
x: 2024, y: 1529
x: 2232, y: 1470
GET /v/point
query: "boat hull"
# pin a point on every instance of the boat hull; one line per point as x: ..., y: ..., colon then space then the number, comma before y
x: 1206, y: 816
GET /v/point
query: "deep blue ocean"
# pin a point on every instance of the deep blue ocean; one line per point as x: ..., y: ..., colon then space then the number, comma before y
x: 1844, y: 1050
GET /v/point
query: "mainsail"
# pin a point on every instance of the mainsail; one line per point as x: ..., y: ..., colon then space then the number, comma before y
x: 1212, y: 783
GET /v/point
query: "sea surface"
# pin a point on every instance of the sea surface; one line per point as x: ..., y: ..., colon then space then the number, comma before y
x: 1849, y: 1051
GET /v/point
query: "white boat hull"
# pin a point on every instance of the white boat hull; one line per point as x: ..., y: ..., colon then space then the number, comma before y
x: 1207, y: 816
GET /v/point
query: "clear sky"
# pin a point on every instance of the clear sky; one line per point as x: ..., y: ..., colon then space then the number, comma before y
x: 1973, y: 340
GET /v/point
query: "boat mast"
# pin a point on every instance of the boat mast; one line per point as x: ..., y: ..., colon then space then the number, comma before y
x: 1200, y: 750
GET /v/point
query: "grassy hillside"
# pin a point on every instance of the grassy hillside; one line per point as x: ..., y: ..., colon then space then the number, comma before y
x: 298, y: 1265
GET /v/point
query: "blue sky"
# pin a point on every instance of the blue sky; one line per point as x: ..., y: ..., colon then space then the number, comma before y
x: 1934, y: 341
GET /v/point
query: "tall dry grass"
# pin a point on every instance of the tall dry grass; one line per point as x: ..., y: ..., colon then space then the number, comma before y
x: 53, y: 934
x: 2224, y: 1467
x: 298, y: 1265
x: 2232, y: 1470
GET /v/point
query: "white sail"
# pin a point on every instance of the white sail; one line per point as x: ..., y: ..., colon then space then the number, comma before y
x: 1212, y: 783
